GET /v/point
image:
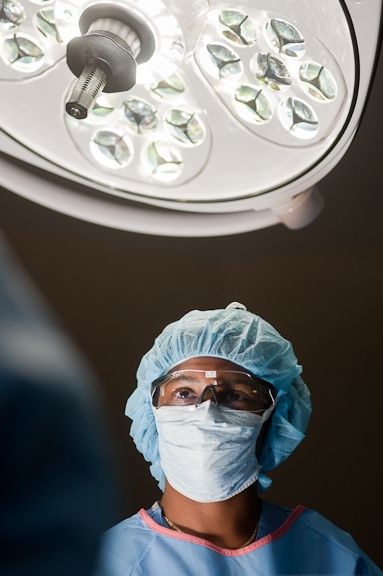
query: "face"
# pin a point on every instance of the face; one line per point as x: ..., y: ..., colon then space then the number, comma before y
x: 208, y: 363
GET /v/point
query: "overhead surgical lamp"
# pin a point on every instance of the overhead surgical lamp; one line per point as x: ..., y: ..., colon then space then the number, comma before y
x: 181, y: 117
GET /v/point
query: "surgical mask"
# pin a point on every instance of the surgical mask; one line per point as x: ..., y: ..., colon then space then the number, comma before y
x: 208, y: 452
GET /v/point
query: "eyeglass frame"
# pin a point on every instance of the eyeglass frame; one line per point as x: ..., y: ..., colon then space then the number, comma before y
x: 156, y: 384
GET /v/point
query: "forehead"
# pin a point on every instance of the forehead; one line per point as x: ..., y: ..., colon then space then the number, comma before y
x: 207, y: 363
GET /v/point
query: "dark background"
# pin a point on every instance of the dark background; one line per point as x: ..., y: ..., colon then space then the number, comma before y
x: 320, y: 287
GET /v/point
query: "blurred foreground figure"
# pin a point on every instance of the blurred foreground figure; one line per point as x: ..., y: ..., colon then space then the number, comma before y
x: 220, y: 403
x: 54, y: 494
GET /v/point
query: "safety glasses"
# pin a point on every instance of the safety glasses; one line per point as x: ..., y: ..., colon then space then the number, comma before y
x: 228, y: 388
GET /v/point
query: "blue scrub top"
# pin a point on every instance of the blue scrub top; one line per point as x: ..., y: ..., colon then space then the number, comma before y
x: 298, y: 541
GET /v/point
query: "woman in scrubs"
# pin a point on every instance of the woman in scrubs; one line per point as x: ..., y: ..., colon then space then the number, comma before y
x: 219, y: 403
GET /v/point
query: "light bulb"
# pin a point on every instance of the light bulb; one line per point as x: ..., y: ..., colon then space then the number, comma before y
x: 162, y: 24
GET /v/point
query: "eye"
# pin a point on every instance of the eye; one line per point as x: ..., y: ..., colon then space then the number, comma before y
x: 232, y: 396
x: 183, y: 395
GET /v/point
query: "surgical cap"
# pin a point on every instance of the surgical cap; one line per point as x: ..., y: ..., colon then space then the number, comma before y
x: 241, y: 337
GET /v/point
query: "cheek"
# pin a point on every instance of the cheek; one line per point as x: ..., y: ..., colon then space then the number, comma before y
x: 161, y: 401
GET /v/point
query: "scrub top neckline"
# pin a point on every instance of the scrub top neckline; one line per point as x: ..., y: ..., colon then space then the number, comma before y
x: 267, y: 539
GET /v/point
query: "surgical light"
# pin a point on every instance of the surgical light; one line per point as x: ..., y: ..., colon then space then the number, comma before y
x: 181, y: 117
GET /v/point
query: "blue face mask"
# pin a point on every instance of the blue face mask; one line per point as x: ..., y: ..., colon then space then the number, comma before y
x: 208, y: 452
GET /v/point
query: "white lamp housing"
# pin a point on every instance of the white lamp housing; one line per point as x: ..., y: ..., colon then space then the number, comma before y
x: 239, y: 112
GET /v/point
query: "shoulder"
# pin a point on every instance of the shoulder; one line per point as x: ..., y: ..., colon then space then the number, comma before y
x: 319, y: 525
x: 320, y: 539
x: 311, y: 522
x: 124, y: 546
x: 126, y: 530
x: 336, y: 540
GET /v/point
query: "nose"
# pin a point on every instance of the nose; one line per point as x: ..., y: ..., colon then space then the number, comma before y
x: 208, y: 393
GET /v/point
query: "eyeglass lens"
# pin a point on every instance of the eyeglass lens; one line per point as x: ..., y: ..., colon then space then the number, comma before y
x: 232, y: 389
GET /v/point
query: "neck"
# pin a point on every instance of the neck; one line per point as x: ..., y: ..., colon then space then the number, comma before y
x: 227, y: 524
